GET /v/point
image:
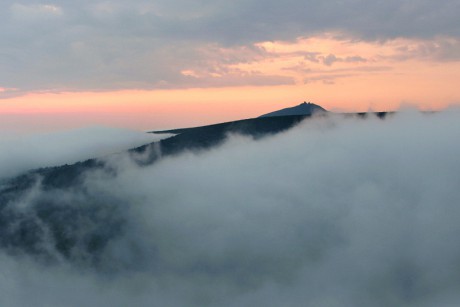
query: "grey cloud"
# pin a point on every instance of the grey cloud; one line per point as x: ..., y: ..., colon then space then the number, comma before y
x: 369, y: 20
x: 94, y: 45
x: 335, y: 212
x: 302, y: 68
x: 327, y: 78
x: 331, y: 59
x: 441, y: 49
x: 312, y: 56
x: 355, y: 59
x: 330, y: 75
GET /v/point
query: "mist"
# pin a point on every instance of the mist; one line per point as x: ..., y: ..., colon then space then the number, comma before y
x: 19, y: 152
x: 334, y: 212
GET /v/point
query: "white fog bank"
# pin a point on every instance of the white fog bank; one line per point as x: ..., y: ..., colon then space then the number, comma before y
x: 335, y: 212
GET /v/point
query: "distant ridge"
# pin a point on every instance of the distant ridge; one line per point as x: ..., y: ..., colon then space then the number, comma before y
x: 305, y: 108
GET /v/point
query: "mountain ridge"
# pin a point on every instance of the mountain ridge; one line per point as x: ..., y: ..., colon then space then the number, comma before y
x: 305, y: 108
x: 23, y: 231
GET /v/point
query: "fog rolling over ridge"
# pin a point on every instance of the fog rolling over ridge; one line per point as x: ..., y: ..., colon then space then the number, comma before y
x: 19, y: 153
x: 333, y: 212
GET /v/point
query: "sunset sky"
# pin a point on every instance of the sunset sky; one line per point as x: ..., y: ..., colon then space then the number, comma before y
x: 172, y: 63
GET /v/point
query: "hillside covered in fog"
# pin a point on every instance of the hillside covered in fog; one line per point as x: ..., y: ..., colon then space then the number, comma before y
x: 328, y: 210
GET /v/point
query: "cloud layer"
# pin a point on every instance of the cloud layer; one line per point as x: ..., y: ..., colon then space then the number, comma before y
x: 106, y: 45
x: 335, y: 212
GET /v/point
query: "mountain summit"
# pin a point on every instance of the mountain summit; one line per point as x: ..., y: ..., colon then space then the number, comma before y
x: 305, y: 108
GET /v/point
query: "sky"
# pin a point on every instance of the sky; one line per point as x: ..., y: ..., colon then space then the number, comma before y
x: 163, y: 64
x: 333, y: 212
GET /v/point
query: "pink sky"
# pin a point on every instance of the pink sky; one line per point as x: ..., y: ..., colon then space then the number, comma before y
x: 338, y: 74
x: 145, y: 66
x: 128, y: 81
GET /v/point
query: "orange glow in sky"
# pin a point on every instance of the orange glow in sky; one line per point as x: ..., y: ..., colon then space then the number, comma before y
x: 336, y: 73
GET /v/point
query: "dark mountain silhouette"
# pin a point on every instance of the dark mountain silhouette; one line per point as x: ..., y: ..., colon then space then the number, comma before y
x: 305, y: 108
x: 21, y: 231
x: 196, y: 138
